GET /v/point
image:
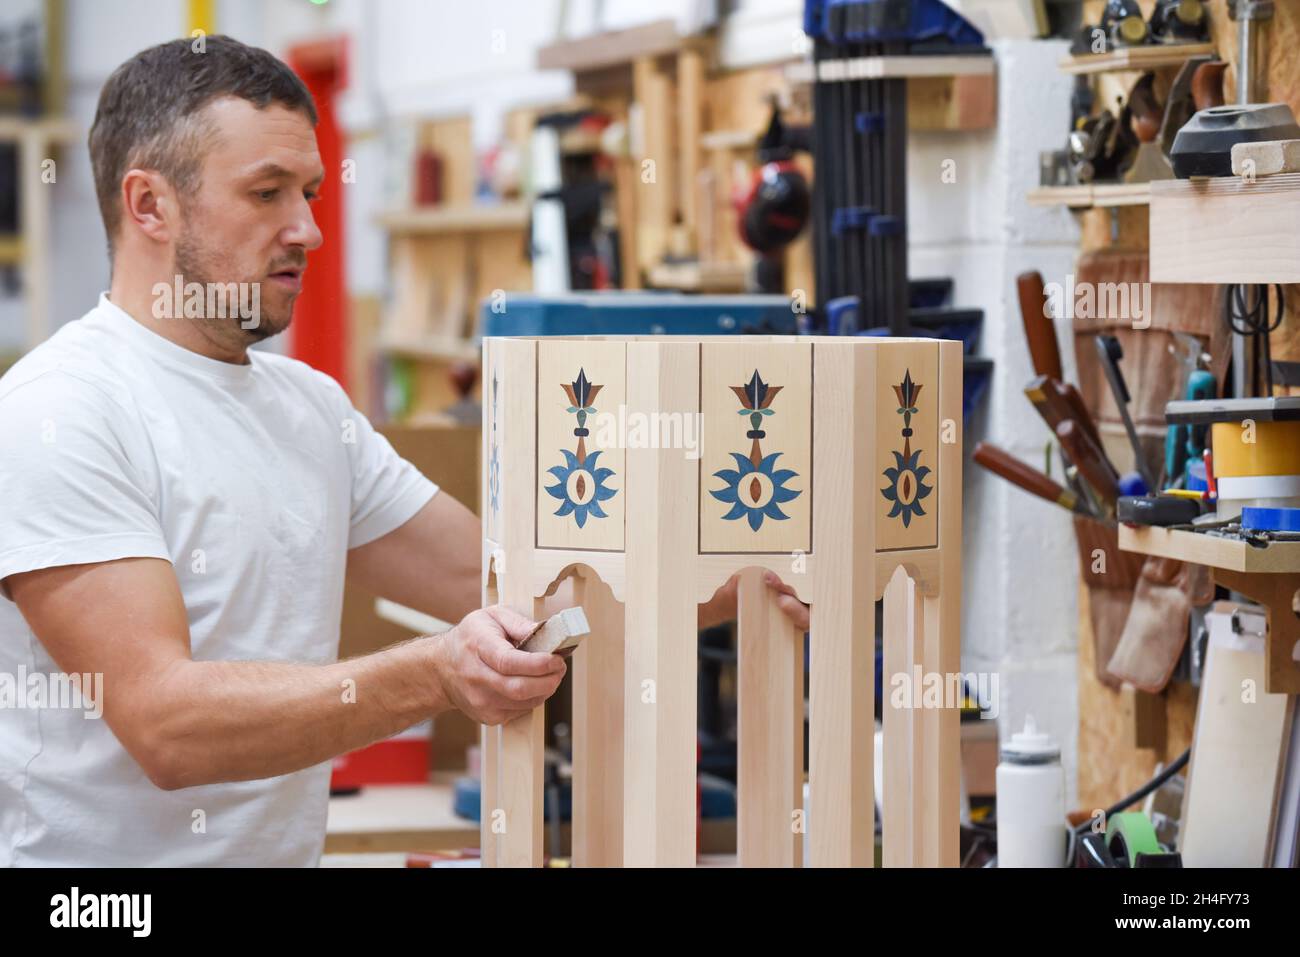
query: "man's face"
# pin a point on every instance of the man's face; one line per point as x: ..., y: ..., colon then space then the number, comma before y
x: 250, y: 219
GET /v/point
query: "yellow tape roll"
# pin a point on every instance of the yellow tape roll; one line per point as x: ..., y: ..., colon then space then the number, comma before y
x: 1274, y: 451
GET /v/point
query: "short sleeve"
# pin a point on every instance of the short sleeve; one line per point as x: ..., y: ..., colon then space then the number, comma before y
x: 387, y: 490
x: 70, y: 493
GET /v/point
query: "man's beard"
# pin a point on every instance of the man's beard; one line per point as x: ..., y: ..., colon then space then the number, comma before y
x: 194, y: 264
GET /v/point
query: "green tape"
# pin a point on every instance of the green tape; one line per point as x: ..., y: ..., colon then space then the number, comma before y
x: 1130, y: 834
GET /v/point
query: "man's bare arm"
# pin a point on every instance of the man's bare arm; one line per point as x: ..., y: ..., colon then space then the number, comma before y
x: 432, y: 563
x: 192, y: 722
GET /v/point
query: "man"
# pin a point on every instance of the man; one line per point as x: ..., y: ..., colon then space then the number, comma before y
x: 177, y: 514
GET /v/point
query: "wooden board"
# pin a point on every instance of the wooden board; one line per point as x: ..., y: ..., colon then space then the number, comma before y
x: 656, y: 180
x: 611, y: 47
x: 756, y: 492
x: 660, y: 671
x: 1100, y: 195
x: 1236, y: 756
x: 1226, y: 553
x: 769, y: 831
x: 581, y: 479
x: 456, y: 218
x: 1226, y: 230
x: 1134, y: 59
x: 841, y: 680
x: 453, y: 140
x: 886, y: 67
x: 903, y: 637
x: 598, y: 703
x: 907, y: 442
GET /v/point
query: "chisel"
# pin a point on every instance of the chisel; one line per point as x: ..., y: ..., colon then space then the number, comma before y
x: 1000, y: 462
x: 1040, y: 334
x: 1089, y: 460
x: 1058, y: 401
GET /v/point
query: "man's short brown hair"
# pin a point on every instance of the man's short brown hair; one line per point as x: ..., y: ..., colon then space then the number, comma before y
x: 150, y: 111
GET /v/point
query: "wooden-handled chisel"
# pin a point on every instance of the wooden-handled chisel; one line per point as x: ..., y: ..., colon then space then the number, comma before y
x: 1000, y: 462
x: 1089, y: 460
x: 1058, y: 401
x: 1040, y: 334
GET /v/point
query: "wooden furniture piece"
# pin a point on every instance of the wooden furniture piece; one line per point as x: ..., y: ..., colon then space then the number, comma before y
x: 652, y: 469
x: 1270, y: 576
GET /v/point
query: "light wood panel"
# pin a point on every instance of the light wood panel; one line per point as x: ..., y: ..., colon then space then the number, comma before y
x: 769, y: 814
x: 903, y: 637
x: 841, y: 702
x: 912, y: 478
x: 730, y: 439
x: 660, y: 725
x: 589, y: 521
x: 1226, y: 230
x: 598, y: 703
x: 1235, y: 770
x: 511, y: 802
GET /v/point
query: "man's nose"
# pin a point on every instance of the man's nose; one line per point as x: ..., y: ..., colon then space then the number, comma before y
x: 304, y: 231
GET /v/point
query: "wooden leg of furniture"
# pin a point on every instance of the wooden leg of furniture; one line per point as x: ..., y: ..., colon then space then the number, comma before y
x: 598, y: 685
x: 769, y: 816
x: 842, y: 676
x: 489, y: 759
x: 902, y: 823
x: 520, y: 764
x: 659, y: 766
x: 941, y: 733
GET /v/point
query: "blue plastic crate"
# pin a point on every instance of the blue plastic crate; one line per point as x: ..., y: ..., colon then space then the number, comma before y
x: 618, y: 313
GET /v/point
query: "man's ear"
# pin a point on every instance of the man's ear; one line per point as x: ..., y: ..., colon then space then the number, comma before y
x: 148, y: 204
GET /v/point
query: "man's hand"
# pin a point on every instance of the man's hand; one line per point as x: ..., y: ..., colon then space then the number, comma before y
x: 485, y: 676
x: 721, y: 607
x: 787, y: 601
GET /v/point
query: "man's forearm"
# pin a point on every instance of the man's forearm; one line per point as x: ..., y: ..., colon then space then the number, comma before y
x: 240, y: 720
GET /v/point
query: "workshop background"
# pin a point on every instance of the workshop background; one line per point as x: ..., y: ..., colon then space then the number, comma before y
x: 430, y: 118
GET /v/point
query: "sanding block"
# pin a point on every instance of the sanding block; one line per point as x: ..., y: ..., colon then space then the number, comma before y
x: 559, y: 634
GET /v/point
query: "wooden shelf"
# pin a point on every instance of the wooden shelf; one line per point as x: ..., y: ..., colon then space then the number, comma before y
x: 444, y: 348
x: 699, y: 277
x: 461, y: 218
x: 887, y: 67
x: 1211, y: 550
x: 1093, y: 195
x: 1269, y: 576
x: 611, y: 48
x: 1226, y: 230
x: 1135, y: 58
x: 50, y: 129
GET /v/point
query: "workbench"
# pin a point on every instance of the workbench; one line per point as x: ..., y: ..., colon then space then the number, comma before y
x: 1270, y: 576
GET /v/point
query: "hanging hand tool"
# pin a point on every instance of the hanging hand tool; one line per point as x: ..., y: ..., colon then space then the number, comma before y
x: 1000, y: 462
x: 1058, y: 401
x: 1110, y: 352
x: 1040, y: 333
x: 1180, y: 21
x: 1090, y: 461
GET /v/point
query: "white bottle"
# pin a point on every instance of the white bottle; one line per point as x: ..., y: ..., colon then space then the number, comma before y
x: 1031, y: 801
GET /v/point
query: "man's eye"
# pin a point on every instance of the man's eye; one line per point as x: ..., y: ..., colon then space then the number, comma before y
x: 310, y: 196
x: 266, y: 195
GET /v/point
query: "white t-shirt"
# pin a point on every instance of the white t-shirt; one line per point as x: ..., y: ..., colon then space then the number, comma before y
x: 253, y: 481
